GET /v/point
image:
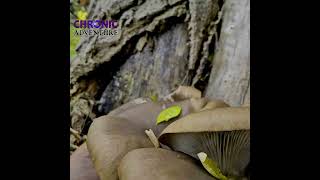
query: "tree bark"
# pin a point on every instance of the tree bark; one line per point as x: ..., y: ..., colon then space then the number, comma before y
x: 163, y: 44
x: 155, y: 71
x: 230, y: 74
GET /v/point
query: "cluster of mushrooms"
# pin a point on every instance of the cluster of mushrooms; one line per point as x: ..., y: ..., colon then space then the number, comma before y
x: 128, y: 144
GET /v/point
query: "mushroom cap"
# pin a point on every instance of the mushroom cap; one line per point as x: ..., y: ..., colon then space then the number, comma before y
x: 160, y: 164
x: 81, y: 167
x: 109, y: 139
x: 112, y: 136
x: 186, y: 92
x: 213, y: 120
x: 222, y: 133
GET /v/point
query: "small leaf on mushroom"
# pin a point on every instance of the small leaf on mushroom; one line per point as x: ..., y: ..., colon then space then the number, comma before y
x: 168, y: 114
x: 211, y: 166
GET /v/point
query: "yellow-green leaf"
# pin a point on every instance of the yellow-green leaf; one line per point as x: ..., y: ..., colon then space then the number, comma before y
x: 211, y: 166
x: 168, y: 114
x: 154, y: 98
x: 82, y: 15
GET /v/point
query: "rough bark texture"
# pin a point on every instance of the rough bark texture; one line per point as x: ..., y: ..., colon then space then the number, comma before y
x: 162, y: 44
x: 154, y: 71
x: 230, y: 74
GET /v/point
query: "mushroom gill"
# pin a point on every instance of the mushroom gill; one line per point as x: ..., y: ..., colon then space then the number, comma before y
x: 222, y: 133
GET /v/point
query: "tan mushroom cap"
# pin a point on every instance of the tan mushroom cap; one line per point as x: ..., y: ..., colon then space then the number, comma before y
x: 218, y: 119
x: 81, y: 167
x: 160, y: 164
x: 112, y: 136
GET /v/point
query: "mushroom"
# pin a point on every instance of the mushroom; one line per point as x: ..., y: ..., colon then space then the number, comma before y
x: 183, y: 92
x: 81, y: 167
x: 160, y: 164
x: 112, y: 136
x: 221, y: 133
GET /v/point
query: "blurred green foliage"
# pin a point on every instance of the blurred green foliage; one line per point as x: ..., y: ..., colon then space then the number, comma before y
x: 82, y: 15
x: 74, y: 40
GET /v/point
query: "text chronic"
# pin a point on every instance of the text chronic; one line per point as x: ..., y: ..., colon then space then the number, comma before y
x: 112, y: 24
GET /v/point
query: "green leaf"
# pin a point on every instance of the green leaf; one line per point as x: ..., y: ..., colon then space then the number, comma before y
x: 154, y: 98
x: 82, y: 15
x: 211, y: 166
x: 168, y: 114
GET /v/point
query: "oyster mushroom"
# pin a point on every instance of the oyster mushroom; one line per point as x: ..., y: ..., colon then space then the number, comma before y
x: 112, y: 136
x: 160, y: 164
x: 222, y: 133
x: 183, y: 92
x: 81, y: 167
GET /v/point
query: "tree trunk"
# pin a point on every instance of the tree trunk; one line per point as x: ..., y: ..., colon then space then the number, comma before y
x: 163, y: 44
x: 230, y: 74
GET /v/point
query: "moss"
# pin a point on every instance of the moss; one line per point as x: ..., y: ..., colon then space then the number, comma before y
x: 210, y: 58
